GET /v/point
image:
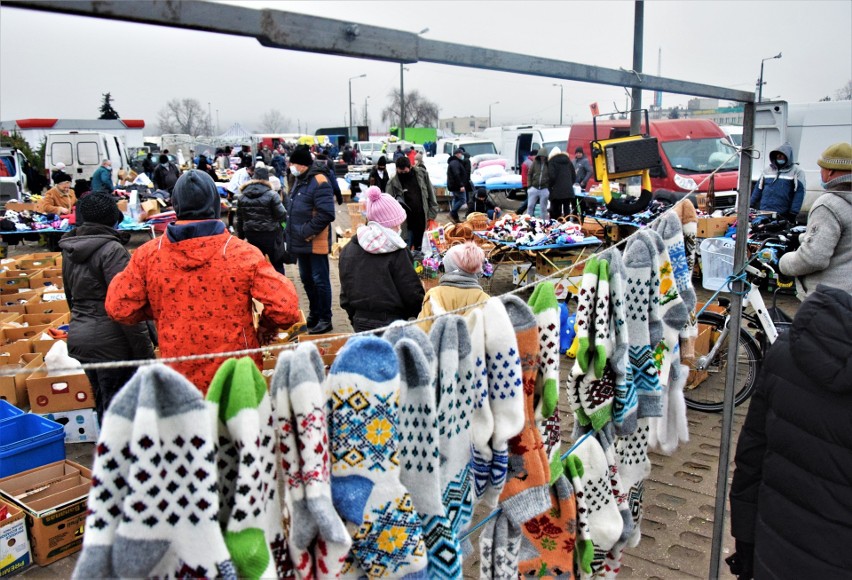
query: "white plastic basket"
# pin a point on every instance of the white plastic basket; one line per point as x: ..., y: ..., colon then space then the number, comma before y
x: 717, y: 263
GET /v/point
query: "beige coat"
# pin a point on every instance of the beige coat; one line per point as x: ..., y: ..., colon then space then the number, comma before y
x: 441, y: 299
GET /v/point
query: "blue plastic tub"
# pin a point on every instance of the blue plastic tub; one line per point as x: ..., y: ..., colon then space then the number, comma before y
x: 29, y: 441
x: 8, y: 410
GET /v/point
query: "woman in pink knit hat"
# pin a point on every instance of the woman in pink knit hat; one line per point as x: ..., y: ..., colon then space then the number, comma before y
x: 459, y: 286
x: 378, y: 283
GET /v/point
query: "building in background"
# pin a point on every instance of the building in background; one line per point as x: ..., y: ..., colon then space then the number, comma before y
x: 35, y: 130
x: 462, y: 125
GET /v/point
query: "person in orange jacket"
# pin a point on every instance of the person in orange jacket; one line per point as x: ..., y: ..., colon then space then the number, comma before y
x: 197, y: 283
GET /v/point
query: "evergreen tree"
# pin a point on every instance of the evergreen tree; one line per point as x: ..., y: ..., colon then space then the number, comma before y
x: 107, y: 112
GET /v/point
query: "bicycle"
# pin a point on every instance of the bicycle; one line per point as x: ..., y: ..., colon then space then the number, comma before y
x: 705, y: 389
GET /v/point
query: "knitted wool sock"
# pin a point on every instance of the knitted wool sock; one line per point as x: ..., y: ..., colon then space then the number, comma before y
x: 299, y: 406
x: 640, y: 296
x: 505, y: 390
x: 596, y: 397
x: 673, y: 312
x: 250, y: 512
x: 366, y: 488
x: 689, y: 222
x: 584, y: 548
x: 545, y: 306
x: 526, y: 493
x: 420, y: 455
x: 671, y: 231
x: 605, y: 523
x: 154, y: 500
x: 547, y: 544
x: 482, y: 420
x: 586, y: 313
x: 499, y: 545
x: 672, y: 428
x: 634, y: 467
x: 606, y: 438
x: 625, y: 402
x: 456, y: 392
x: 604, y: 341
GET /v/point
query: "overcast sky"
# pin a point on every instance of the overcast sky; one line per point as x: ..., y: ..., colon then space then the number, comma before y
x: 58, y: 66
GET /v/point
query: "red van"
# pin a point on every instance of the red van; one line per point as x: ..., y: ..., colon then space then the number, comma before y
x: 689, y: 148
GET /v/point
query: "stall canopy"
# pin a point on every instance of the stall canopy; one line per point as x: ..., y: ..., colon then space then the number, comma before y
x: 235, y: 133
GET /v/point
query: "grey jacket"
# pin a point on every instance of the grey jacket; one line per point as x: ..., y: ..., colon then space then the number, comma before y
x: 825, y: 254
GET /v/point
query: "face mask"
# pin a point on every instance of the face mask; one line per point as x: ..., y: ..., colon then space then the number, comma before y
x: 780, y: 162
x: 295, y: 171
x: 823, y: 184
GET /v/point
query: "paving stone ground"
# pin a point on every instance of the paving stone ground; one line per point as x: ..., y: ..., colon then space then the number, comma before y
x: 679, y: 495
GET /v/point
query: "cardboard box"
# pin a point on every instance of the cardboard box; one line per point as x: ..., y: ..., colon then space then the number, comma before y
x: 13, y: 347
x: 14, y: 544
x: 122, y: 205
x: 24, y: 332
x: 9, y: 317
x: 51, y: 394
x: 565, y: 287
x: 328, y: 345
x: 12, y: 281
x: 522, y: 274
x: 14, y: 388
x: 54, y: 273
x: 37, y: 261
x: 52, y: 307
x: 53, y: 498
x: 553, y: 264
x: 17, y: 301
x: 52, y: 319
x: 81, y: 426
x: 709, y: 227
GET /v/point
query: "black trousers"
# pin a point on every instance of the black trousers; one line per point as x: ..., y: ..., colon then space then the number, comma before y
x: 270, y: 244
x: 105, y: 384
x: 561, y: 207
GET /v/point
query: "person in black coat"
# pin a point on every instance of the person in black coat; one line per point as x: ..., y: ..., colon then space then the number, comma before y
x: 562, y: 179
x: 791, y: 496
x: 92, y: 255
x: 378, y: 283
x: 260, y: 213
x: 379, y: 174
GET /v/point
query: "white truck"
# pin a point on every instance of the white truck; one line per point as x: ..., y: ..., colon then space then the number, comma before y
x: 517, y: 141
x: 808, y: 127
x: 83, y: 151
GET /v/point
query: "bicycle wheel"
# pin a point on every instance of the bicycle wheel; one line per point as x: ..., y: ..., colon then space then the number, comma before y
x: 705, y: 390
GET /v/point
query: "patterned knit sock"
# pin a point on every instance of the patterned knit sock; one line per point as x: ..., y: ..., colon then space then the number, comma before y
x: 584, y: 548
x: 596, y: 397
x: 299, y: 404
x: 672, y: 428
x: 526, y: 493
x: 604, y: 341
x: 482, y: 420
x: 420, y: 455
x: 547, y: 544
x: 625, y: 403
x: 500, y: 544
x: 250, y: 511
x: 634, y: 467
x: 505, y: 391
x: 456, y: 390
x: 640, y: 297
x: 605, y: 523
x: 154, y: 501
x: 689, y: 230
x: 606, y: 438
x: 366, y: 487
x: 586, y: 313
x: 545, y: 306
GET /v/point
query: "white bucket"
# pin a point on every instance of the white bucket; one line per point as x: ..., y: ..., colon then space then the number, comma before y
x: 717, y: 263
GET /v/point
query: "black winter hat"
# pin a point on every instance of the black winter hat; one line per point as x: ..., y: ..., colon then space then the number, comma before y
x: 61, y: 177
x: 261, y: 173
x: 97, y: 208
x: 195, y: 197
x: 302, y: 156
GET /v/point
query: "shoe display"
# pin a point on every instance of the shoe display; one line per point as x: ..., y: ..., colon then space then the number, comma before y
x: 322, y: 327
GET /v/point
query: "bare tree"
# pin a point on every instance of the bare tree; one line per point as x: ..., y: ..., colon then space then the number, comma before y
x: 844, y: 93
x: 185, y: 116
x: 274, y: 122
x: 419, y: 111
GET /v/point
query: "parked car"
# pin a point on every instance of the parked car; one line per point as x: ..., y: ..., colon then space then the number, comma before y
x: 13, y: 177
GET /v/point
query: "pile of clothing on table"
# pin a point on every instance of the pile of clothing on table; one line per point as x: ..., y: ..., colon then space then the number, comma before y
x: 526, y: 230
x: 31, y: 220
x: 654, y: 210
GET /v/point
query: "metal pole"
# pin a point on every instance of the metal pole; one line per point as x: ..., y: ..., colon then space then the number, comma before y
x: 401, y: 102
x: 638, y: 40
x: 734, y: 326
x: 349, y: 126
x: 561, y: 102
x: 760, y: 84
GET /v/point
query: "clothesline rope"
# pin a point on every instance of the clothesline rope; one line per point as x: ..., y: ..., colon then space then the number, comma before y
x: 10, y: 372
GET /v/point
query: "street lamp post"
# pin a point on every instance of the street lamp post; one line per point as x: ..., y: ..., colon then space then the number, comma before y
x: 349, y: 130
x: 489, y: 111
x: 561, y: 89
x: 367, y: 98
x: 760, y: 80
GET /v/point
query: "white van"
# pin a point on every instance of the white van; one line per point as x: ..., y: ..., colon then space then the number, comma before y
x: 83, y: 151
x: 370, y: 151
x: 518, y: 141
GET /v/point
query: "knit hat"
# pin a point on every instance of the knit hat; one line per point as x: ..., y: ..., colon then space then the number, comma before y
x: 837, y: 156
x: 261, y: 172
x: 164, y: 159
x: 578, y: 150
x: 61, y: 177
x: 553, y: 152
x: 542, y: 152
x: 195, y: 197
x: 97, y: 208
x: 301, y: 156
x: 60, y: 166
x: 154, y: 499
x: 383, y: 209
x: 467, y: 257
